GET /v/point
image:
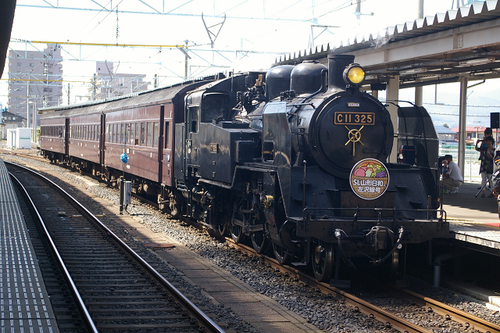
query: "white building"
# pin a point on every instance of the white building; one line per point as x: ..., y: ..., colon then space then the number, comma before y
x: 108, y: 83
x: 35, y: 81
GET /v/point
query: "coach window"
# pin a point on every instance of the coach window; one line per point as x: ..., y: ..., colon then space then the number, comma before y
x: 193, y: 119
x: 136, y: 134
x: 155, y: 134
x: 123, y: 135
x: 148, y: 134
x: 143, y: 130
x: 167, y: 133
x: 132, y: 133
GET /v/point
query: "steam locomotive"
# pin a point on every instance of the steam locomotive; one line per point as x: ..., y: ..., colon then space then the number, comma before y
x: 292, y: 159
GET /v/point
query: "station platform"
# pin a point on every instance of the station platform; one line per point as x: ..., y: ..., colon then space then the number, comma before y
x: 24, y: 302
x: 473, y: 219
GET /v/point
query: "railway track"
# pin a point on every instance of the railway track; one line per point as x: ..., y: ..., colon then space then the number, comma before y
x: 416, y: 302
x: 115, y: 290
x: 468, y: 321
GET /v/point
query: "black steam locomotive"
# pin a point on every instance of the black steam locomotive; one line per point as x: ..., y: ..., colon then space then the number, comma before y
x: 293, y: 159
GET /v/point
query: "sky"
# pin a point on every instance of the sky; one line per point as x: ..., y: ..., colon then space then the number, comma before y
x: 245, y: 41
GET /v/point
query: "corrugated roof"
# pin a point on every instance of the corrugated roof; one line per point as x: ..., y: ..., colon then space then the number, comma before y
x: 443, y: 130
x: 478, y: 129
x: 463, y: 16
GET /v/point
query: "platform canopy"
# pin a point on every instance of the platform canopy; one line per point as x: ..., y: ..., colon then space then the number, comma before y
x: 7, y: 8
x: 460, y: 45
x: 436, y: 49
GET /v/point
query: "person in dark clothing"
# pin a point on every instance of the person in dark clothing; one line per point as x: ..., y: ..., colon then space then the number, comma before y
x: 486, y: 153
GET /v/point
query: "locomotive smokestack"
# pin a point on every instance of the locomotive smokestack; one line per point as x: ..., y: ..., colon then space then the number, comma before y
x: 336, y: 65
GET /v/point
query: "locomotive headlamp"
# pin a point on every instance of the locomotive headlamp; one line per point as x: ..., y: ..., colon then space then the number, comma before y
x: 354, y: 74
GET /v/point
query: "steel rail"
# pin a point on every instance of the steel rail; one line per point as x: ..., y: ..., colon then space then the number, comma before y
x: 87, y: 318
x: 372, y: 311
x: 450, y: 313
x: 204, y: 321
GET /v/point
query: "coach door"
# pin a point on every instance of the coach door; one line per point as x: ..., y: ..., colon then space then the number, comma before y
x: 102, y: 138
x: 66, y: 136
x: 167, y: 141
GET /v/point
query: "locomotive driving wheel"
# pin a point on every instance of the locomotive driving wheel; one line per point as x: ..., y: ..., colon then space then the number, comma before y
x: 281, y: 255
x: 222, y: 228
x: 236, y: 229
x: 322, y: 256
x: 259, y: 241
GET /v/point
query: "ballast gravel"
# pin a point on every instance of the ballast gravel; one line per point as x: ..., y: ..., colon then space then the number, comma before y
x: 323, y: 311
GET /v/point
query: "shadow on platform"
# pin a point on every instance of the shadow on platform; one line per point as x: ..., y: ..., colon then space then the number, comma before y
x: 465, y: 206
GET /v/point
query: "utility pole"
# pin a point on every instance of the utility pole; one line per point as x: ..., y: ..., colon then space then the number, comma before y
x: 419, y: 90
x: 28, y: 102
x: 186, y: 62
x: 358, y: 10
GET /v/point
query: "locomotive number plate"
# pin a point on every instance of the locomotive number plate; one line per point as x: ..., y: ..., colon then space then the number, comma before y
x: 354, y: 118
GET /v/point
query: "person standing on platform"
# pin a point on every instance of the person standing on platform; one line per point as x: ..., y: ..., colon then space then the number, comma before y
x: 486, y: 154
x: 452, y: 177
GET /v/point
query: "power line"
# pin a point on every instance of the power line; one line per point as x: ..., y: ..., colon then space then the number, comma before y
x: 173, y: 46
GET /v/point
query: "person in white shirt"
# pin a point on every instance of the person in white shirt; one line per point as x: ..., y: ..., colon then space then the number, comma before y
x: 452, y: 177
